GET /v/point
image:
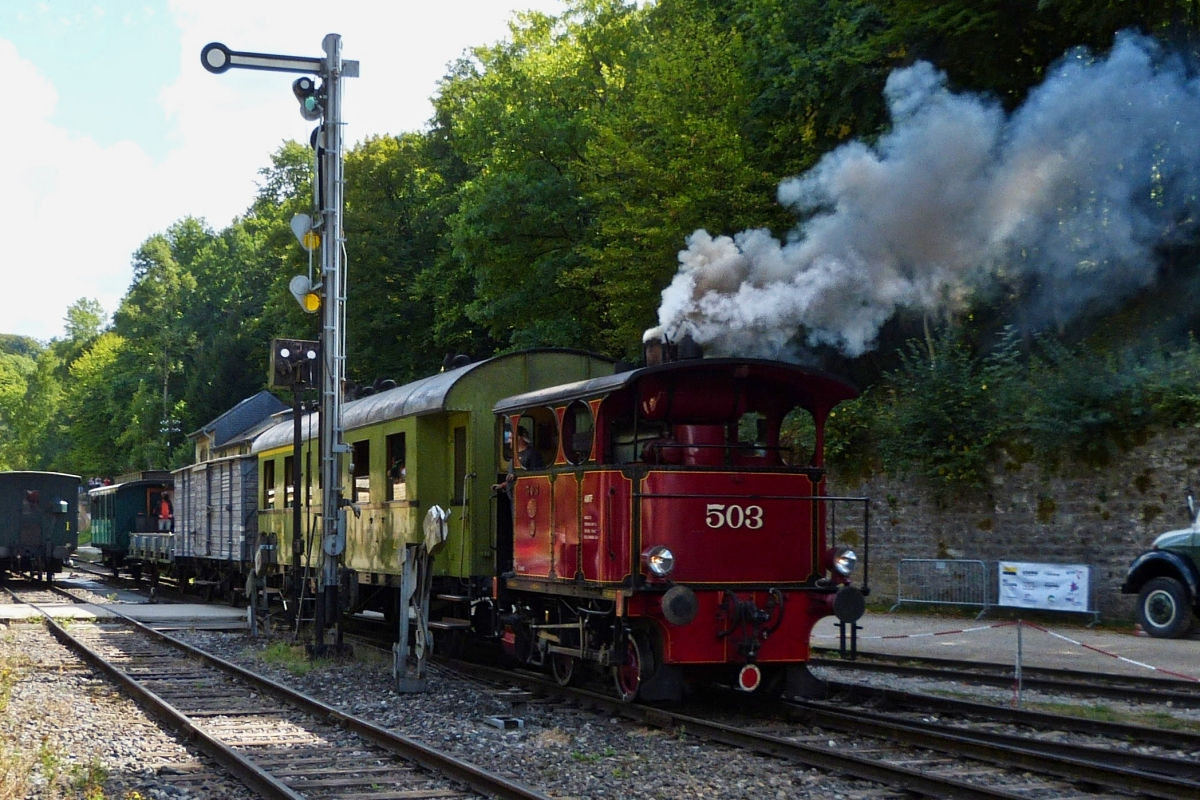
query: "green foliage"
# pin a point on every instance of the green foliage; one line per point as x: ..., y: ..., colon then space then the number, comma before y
x: 546, y: 204
x: 948, y: 410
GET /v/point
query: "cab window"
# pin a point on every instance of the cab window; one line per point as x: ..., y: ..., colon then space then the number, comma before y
x: 578, y: 428
x: 536, y: 444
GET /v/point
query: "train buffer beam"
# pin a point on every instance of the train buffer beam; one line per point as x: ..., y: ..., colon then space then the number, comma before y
x: 450, y: 624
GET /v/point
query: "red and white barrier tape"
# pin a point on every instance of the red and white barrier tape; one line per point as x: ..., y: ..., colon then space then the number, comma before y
x: 978, y: 628
x: 1102, y: 652
x: 923, y: 635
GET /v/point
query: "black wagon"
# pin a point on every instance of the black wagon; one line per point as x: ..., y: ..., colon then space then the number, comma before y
x: 39, y: 513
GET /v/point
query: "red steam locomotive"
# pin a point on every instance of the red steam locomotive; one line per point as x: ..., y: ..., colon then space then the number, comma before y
x: 672, y: 537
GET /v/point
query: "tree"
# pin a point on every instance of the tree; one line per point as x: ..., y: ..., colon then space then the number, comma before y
x: 521, y: 115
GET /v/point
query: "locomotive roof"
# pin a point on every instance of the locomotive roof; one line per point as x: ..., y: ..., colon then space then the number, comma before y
x: 422, y: 396
x: 813, y: 387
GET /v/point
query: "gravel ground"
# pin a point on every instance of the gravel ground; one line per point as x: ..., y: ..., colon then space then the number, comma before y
x: 562, y: 751
x: 67, y: 733
x: 64, y: 721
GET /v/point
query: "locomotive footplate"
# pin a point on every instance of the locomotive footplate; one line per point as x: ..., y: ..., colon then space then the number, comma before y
x: 565, y: 589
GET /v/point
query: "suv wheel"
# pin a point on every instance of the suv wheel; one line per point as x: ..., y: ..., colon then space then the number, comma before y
x: 1163, y: 608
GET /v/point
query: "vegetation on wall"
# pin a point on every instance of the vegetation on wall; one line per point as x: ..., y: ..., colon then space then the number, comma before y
x: 545, y: 204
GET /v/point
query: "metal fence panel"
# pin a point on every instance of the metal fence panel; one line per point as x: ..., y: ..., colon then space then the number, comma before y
x: 959, y: 582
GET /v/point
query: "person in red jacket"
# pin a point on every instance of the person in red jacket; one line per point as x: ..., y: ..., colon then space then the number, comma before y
x: 166, y: 513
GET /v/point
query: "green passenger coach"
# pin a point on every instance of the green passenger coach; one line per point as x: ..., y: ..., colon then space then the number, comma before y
x: 431, y: 442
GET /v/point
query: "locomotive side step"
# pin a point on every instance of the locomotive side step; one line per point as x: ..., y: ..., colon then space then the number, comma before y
x: 449, y: 624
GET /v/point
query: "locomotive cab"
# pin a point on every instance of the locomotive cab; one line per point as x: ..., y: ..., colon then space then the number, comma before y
x: 673, y: 533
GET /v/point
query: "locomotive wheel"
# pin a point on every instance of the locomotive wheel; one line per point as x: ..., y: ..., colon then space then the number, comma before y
x: 563, y: 667
x: 638, y: 667
x: 1163, y: 608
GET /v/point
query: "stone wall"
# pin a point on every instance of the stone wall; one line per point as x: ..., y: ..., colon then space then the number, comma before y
x: 1103, y: 517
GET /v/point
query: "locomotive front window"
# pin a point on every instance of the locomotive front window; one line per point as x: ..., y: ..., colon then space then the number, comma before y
x: 752, y: 432
x: 578, y: 428
x: 798, y: 437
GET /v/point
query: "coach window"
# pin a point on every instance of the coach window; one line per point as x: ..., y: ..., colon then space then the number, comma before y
x: 289, y: 488
x: 268, y: 484
x: 362, y: 471
x: 578, y: 428
x: 397, y: 483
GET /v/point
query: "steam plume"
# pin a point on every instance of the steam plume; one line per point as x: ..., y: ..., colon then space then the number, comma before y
x: 1071, y: 194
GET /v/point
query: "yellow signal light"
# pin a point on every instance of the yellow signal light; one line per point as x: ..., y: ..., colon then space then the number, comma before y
x: 302, y: 290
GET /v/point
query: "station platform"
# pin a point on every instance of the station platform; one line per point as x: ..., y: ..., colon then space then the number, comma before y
x: 162, y: 616
x: 1052, y: 645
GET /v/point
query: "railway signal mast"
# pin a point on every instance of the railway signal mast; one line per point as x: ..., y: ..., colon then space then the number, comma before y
x: 319, y: 102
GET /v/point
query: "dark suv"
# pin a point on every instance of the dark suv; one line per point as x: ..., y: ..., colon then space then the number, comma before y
x: 1167, y: 581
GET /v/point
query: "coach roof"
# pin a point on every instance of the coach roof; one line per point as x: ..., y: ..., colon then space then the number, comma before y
x: 424, y: 396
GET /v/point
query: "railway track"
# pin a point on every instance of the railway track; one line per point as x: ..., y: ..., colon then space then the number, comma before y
x: 278, y: 742
x: 39, y: 594
x: 929, y: 759
x: 873, y: 697
x: 1181, y: 693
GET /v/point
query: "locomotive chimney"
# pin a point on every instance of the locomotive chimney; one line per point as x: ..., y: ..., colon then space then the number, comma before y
x: 657, y: 348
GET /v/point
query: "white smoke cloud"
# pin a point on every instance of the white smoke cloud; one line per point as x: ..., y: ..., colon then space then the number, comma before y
x: 1070, y: 194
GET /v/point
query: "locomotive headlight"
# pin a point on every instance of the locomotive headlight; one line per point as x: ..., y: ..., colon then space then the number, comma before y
x: 844, y: 561
x: 659, y: 560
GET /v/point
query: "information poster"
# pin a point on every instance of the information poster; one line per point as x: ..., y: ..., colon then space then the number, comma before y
x: 1053, y: 587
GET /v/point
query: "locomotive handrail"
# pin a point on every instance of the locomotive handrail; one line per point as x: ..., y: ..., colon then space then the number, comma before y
x: 658, y: 495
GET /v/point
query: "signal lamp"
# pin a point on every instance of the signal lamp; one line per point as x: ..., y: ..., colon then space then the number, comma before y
x: 302, y: 229
x: 305, y: 294
x: 309, y: 95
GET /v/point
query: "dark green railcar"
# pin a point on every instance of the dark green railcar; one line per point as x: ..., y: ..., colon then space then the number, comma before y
x: 39, y: 513
x: 130, y: 507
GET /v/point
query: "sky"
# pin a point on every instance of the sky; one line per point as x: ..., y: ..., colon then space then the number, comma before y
x: 114, y: 130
